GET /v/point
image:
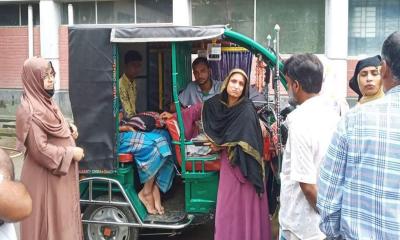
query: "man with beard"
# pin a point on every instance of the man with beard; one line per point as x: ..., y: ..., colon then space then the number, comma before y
x: 311, y: 126
x: 203, y: 87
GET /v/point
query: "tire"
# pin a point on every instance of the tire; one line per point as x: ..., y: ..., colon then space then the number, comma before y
x: 109, y: 213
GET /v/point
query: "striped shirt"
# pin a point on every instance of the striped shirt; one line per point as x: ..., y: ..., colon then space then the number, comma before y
x: 359, y: 183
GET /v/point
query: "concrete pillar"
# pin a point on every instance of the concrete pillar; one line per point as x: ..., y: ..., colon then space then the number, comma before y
x: 49, y: 34
x: 336, y: 41
x: 30, y: 31
x: 70, y: 14
x: 181, y: 12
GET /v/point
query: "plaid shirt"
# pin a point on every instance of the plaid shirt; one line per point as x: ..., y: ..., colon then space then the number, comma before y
x: 128, y: 95
x: 359, y: 184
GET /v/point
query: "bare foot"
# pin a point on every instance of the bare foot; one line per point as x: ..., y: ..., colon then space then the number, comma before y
x: 157, y: 200
x: 148, y: 202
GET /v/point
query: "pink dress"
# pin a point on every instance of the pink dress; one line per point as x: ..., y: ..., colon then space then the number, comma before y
x: 241, y: 213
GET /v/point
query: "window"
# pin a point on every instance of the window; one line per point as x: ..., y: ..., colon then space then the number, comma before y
x: 115, y: 12
x: 370, y: 22
x: 237, y: 13
x: 84, y: 13
x: 119, y: 11
x: 363, y: 22
x: 9, y: 15
x: 302, y: 24
x: 17, y: 14
x: 35, y: 12
x: 154, y: 11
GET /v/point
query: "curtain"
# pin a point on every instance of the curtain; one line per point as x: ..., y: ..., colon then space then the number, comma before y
x: 230, y: 60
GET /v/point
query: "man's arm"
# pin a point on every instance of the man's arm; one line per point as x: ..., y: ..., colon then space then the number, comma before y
x: 15, y: 201
x: 330, y: 183
x: 310, y: 191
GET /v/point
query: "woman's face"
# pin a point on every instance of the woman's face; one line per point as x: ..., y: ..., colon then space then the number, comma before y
x: 48, y: 79
x: 235, y: 87
x: 369, y: 80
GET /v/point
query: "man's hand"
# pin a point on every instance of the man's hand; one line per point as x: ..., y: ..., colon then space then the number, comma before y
x: 166, y: 115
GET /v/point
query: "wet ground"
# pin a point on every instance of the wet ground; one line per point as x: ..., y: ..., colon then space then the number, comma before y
x: 203, y: 231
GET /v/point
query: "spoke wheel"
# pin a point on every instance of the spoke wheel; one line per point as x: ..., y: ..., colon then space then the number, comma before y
x: 109, y: 214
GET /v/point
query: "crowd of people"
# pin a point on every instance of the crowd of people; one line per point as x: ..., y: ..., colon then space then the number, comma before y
x: 340, y: 172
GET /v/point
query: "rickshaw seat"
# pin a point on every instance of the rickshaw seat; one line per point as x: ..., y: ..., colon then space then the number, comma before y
x: 125, y: 157
x: 173, y: 129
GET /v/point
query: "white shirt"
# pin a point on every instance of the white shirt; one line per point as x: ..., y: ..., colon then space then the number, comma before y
x: 311, y: 126
x: 7, y: 232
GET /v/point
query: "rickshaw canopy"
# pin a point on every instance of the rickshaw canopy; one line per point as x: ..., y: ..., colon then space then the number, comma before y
x: 165, y: 33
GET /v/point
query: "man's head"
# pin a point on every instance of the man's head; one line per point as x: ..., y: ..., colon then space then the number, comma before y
x: 201, y: 70
x: 133, y: 64
x: 6, y: 165
x: 390, y: 70
x: 304, y: 75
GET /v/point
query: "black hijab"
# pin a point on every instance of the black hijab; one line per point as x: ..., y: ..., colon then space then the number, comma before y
x: 368, y: 62
x: 236, y: 127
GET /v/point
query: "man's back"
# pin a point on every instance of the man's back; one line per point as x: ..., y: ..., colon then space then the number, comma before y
x: 360, y: 178
x: 311, y: 127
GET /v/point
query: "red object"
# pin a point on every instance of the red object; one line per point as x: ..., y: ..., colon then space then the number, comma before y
x: 173, y: 130
x: 267, y: 150
x: 107, y: 232
x: 125, y: 157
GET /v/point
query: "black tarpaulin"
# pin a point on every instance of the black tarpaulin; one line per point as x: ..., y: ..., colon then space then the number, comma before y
x: 165, y: 33
x: 91, y: 95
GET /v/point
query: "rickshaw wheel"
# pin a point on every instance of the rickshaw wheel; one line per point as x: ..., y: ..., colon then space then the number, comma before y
x: 113, y: 214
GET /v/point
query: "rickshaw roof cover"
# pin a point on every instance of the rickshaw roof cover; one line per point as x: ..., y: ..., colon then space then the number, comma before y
x: 165, y: 33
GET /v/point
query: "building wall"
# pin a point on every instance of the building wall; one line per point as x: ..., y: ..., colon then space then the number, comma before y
x: 351, y: 66
x: 13, y: 52
x: 63, y: 53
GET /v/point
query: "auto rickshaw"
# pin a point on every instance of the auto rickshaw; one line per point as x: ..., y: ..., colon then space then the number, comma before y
x: 108, y: 187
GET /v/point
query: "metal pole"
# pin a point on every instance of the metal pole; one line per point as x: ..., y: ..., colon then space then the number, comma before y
x: 269, y: 41
x: 277, y: 96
